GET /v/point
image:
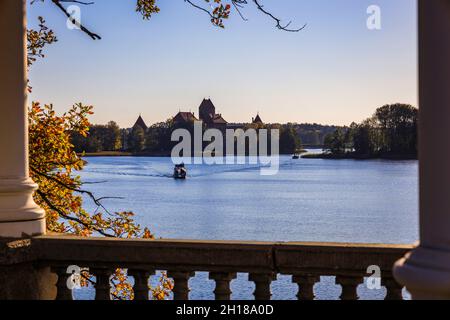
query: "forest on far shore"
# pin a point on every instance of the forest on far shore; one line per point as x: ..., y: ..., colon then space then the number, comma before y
x: 390, y: 132
x: 156, y: 139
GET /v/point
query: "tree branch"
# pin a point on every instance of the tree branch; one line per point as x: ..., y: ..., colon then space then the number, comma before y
x: 97, y: 201
x: 200, y: 8
x: 58, y: 4
x: 277, y: 20
x: 63, y: 214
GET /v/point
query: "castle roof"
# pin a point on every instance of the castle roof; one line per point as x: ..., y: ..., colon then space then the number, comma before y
x: 257, y: 119
x: 219, y: 120
x: 140, y: 123
x: 185, y: 116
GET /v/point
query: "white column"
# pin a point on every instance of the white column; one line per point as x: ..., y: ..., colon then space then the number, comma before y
x: 426, y: 270
x: 19, y: 214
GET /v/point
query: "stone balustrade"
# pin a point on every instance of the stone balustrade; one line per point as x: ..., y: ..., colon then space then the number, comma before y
x: 262, y: 261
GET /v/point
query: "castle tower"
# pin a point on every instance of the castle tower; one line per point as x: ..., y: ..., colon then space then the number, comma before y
x: 140, y: 123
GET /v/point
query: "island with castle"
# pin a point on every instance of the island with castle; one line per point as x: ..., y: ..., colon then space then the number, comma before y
x: 155, y: 140
x: 206, y: 113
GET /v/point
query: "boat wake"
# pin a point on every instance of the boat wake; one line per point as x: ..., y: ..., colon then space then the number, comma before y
x: 132, y: 174
x: 195, y: 171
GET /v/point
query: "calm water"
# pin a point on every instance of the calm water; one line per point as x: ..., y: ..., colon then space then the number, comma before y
x: 308, y: 200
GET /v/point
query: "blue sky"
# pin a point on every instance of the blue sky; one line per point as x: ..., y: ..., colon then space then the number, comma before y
x: 334, y: 72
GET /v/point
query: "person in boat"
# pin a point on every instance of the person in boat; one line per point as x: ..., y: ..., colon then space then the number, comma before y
x: 179, y: 171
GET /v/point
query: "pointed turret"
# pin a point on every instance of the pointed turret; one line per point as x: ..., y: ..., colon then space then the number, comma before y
x: 140, y: 123
x: 257, y: 119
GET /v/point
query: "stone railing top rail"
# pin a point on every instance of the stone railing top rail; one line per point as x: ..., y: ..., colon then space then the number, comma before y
x: 206, y: 255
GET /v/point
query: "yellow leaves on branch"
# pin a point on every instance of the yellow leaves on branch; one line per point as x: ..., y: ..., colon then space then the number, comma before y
x: 146, y: 8
x: 52, y: 161
x: 53, y: 166
x: 37, y: 40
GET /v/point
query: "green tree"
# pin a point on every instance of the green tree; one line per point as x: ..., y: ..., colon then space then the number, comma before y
x: 391, y: 130
x: 398, y: 126
x: 112, y: 137
x: 99, y: 138
x: 289, y: 140
x: 152, y: 140
x: 136, y: 140
x: 336, y: 142
x: 361, y: 136
x: 162, y: 133
x: 96, y: 138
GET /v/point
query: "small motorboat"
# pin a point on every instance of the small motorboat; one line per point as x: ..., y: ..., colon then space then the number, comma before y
x: 179, y: 172
x: 296, y: 156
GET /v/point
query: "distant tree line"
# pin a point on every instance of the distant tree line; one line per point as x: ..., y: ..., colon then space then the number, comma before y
x: 313, y: 134
x: 157, y: 138
x: 100, y: 138
x: 391, y: 131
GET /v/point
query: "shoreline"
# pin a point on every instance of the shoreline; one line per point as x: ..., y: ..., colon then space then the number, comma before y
x: 324, y: 156
x: 139, y: 154
x: 352, y: 156
x: 121, y: 154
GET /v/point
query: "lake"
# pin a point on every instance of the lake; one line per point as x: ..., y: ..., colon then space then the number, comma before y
x: 371, y: 201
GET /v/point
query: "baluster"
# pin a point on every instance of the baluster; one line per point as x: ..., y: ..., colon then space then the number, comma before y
x: 262, y: 285
x: 63, y: 291
x: 102, y: 285
x: 393, y: 289
x: 140, y: 287
x: 305, y: 286
x: 181, y: 284
x: 349, y: 286
x: 222, y: 279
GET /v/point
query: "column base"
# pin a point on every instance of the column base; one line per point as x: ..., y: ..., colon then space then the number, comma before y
x: 19, y: 215
x: 22, y: 229
x: 425, y: 272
